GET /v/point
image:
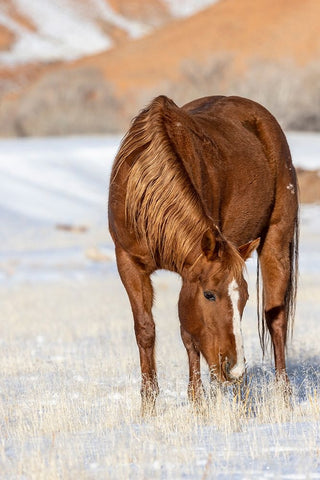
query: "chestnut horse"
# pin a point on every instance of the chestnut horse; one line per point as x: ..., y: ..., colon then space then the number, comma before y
x: 195, y: 190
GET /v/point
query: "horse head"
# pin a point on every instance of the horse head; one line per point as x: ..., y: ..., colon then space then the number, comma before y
x: 212, y: 299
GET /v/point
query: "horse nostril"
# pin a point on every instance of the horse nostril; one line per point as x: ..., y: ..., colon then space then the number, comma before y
x: 226, y: 366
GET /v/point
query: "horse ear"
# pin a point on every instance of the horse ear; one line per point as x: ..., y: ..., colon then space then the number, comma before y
x: 209, y: 244
x: 248, y: 248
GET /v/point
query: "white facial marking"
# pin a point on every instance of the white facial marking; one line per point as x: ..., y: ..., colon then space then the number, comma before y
x: 238, y: 370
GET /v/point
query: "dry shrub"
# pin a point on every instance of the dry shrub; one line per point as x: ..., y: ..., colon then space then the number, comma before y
x: 69, y: 102
x: 309, y: 185
x: 82, y: 101
x: 291, y: 93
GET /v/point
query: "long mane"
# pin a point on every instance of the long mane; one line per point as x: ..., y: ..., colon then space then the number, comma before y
x: 162, y: 207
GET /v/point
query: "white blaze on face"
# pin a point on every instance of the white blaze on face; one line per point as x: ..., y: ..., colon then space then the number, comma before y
x: 238, y: 370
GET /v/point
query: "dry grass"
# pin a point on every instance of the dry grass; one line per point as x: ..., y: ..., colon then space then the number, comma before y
x: 70, y: 404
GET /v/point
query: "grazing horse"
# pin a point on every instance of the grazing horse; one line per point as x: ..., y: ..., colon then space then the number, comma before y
x: 196, y: 190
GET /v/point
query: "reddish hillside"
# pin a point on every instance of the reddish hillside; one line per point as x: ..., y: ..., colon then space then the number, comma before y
x: 248, y: 30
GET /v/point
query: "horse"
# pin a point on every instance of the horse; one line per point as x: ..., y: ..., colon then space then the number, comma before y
x: 195, y: 190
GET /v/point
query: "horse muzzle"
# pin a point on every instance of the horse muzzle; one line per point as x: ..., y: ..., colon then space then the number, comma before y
x: 233, y: 373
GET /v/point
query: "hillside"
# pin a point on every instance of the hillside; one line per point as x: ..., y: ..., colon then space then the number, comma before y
x: 266, y: 50
x: 243, y: 32
x: 55, y: 30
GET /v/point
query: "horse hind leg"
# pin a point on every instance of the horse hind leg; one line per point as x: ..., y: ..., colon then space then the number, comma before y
x: 139, y: 289
x: 278, y: 284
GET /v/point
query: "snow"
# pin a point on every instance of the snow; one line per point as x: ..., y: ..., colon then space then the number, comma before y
x: 184, y: 8
x: 60, y: 34
x: 133, y: 28
x: 305, y: 148
x: 51, y: 182
x: 64, y: 30
x: 56, y: 180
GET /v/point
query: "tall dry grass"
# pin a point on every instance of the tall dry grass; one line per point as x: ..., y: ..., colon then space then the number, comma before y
x: 70, y: 402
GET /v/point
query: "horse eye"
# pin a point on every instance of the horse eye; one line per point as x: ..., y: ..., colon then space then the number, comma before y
x: 209, y: 296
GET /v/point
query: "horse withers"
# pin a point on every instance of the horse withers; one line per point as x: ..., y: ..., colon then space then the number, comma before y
x: 196, y: 190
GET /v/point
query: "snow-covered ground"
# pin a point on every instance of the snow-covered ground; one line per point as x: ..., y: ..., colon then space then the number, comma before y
x: 47, y: 184
x: 69, y: 371
x: 305, y: 149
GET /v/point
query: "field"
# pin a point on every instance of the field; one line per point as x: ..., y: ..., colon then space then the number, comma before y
x: 69, y: 369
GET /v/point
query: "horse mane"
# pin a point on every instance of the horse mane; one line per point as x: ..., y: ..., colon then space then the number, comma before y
x: 162, y: 207
x: 231, y: 259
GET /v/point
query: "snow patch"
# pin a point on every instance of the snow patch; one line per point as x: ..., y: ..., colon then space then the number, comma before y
x: 305, y: 148
x: 64, y: 30
x: 184, y: 8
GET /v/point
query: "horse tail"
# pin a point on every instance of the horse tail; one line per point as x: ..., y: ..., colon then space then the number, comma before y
x: 291, y: 294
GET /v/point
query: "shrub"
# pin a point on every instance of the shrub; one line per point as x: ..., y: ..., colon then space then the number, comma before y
x: 69, y: 102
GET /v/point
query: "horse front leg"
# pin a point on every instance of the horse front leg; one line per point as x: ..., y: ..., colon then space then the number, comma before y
x: 195, y: 387
x: 139, y: 289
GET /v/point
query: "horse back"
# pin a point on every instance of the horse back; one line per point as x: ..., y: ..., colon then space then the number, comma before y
x: 253, y: 163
